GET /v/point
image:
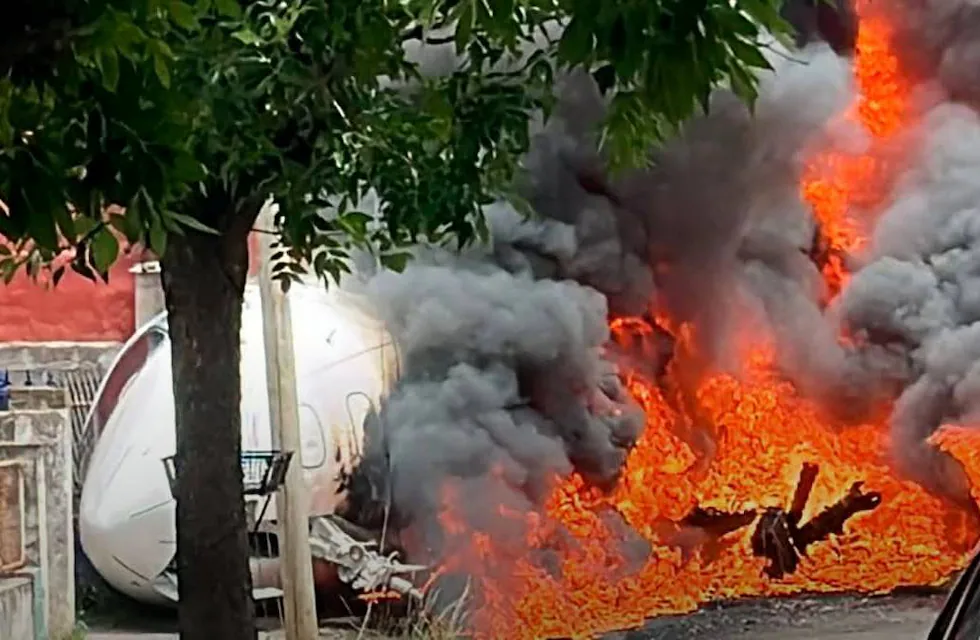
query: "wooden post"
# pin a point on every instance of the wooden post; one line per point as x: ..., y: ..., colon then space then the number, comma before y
x: 292, y: 504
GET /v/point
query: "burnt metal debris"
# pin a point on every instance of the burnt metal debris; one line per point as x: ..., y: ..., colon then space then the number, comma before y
x: 779, y: 535
x: 781, y: 538
x: 361, y: 563
x: 715, y: 525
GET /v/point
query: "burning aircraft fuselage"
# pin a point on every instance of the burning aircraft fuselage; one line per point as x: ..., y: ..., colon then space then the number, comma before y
x: 344, y: 361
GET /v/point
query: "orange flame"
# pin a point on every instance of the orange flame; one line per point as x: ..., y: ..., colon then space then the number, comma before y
x: 585, y: 585
x: 844, y: 190
x: 575, y: 576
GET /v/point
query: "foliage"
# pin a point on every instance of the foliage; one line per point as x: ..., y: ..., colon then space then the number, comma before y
x: 159, y: 105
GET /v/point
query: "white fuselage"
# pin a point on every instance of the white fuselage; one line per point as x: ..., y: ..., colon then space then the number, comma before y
x: 344, y: 363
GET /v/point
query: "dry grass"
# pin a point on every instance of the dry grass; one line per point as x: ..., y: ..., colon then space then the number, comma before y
x: 421, y: 621
x: 80, y: 632
x: 448, y: 623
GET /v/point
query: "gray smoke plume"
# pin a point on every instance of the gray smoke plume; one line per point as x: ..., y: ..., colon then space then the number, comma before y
x: 913, y: 301
x: 921, y: 287
x: 938, y: 40
x: 505, y: 369
x: 502, y: 368
x: 504, y: 383
x: 507, y: 379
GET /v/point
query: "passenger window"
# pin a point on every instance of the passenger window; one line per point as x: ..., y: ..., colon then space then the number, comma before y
x: 314, y: 446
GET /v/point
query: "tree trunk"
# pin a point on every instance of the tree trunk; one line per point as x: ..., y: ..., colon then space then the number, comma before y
x: 203, y: 280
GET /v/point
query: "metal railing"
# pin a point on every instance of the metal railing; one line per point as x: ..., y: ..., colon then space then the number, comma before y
x: 82, y: 385
x: 81, y: 380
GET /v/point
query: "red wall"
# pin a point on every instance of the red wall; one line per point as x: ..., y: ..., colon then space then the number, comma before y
x: 76, y: 310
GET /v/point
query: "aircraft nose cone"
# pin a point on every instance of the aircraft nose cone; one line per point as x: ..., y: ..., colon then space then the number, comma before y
x: 126, y: 516
x: 127, y: 528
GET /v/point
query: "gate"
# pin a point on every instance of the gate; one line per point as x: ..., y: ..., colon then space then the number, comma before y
x: 82, y: 383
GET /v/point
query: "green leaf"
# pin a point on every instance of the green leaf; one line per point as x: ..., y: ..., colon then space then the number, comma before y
x: 41, y: 226
x: 355, y: 224
x: 32, y: 269
x: 161, y: 70
x: 465, y: 21
x: 82, y: 269
x: 735, y: 22
x: 132, y: 225
x: 605, y: 78
x: 749, y: 54
x: 108, y: 62
x: 123, y: 34
x: 396, y: 261
x: 187, y: 168
x: 576, y: 41
x: 229, y: 8
x: 247, y: 36
x: 8, y: 267
x: 482, y: 228
x: 183, y: 14
x: 191, y: 222
x: 766, y: 13
x: 105, y: 249
x: 239, y: 106
x: 158, y: 238
x: 118, y: 223
x: 743, y: 84
x: 160, y: 48
x: 62, y: 216
x: 84, y: 225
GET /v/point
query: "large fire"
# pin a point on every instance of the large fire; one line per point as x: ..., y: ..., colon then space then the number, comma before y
x: 843, y: 189
x: 575, y: 576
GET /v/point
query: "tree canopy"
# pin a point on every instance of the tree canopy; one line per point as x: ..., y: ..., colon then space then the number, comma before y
x: 155, y: 105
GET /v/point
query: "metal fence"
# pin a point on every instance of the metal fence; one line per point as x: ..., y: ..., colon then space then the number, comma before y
x: 82, y: 384
x: 76, y: 367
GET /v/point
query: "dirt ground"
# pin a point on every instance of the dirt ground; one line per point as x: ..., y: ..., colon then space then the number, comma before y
x: 897, y: 617
x: 827, y: 618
